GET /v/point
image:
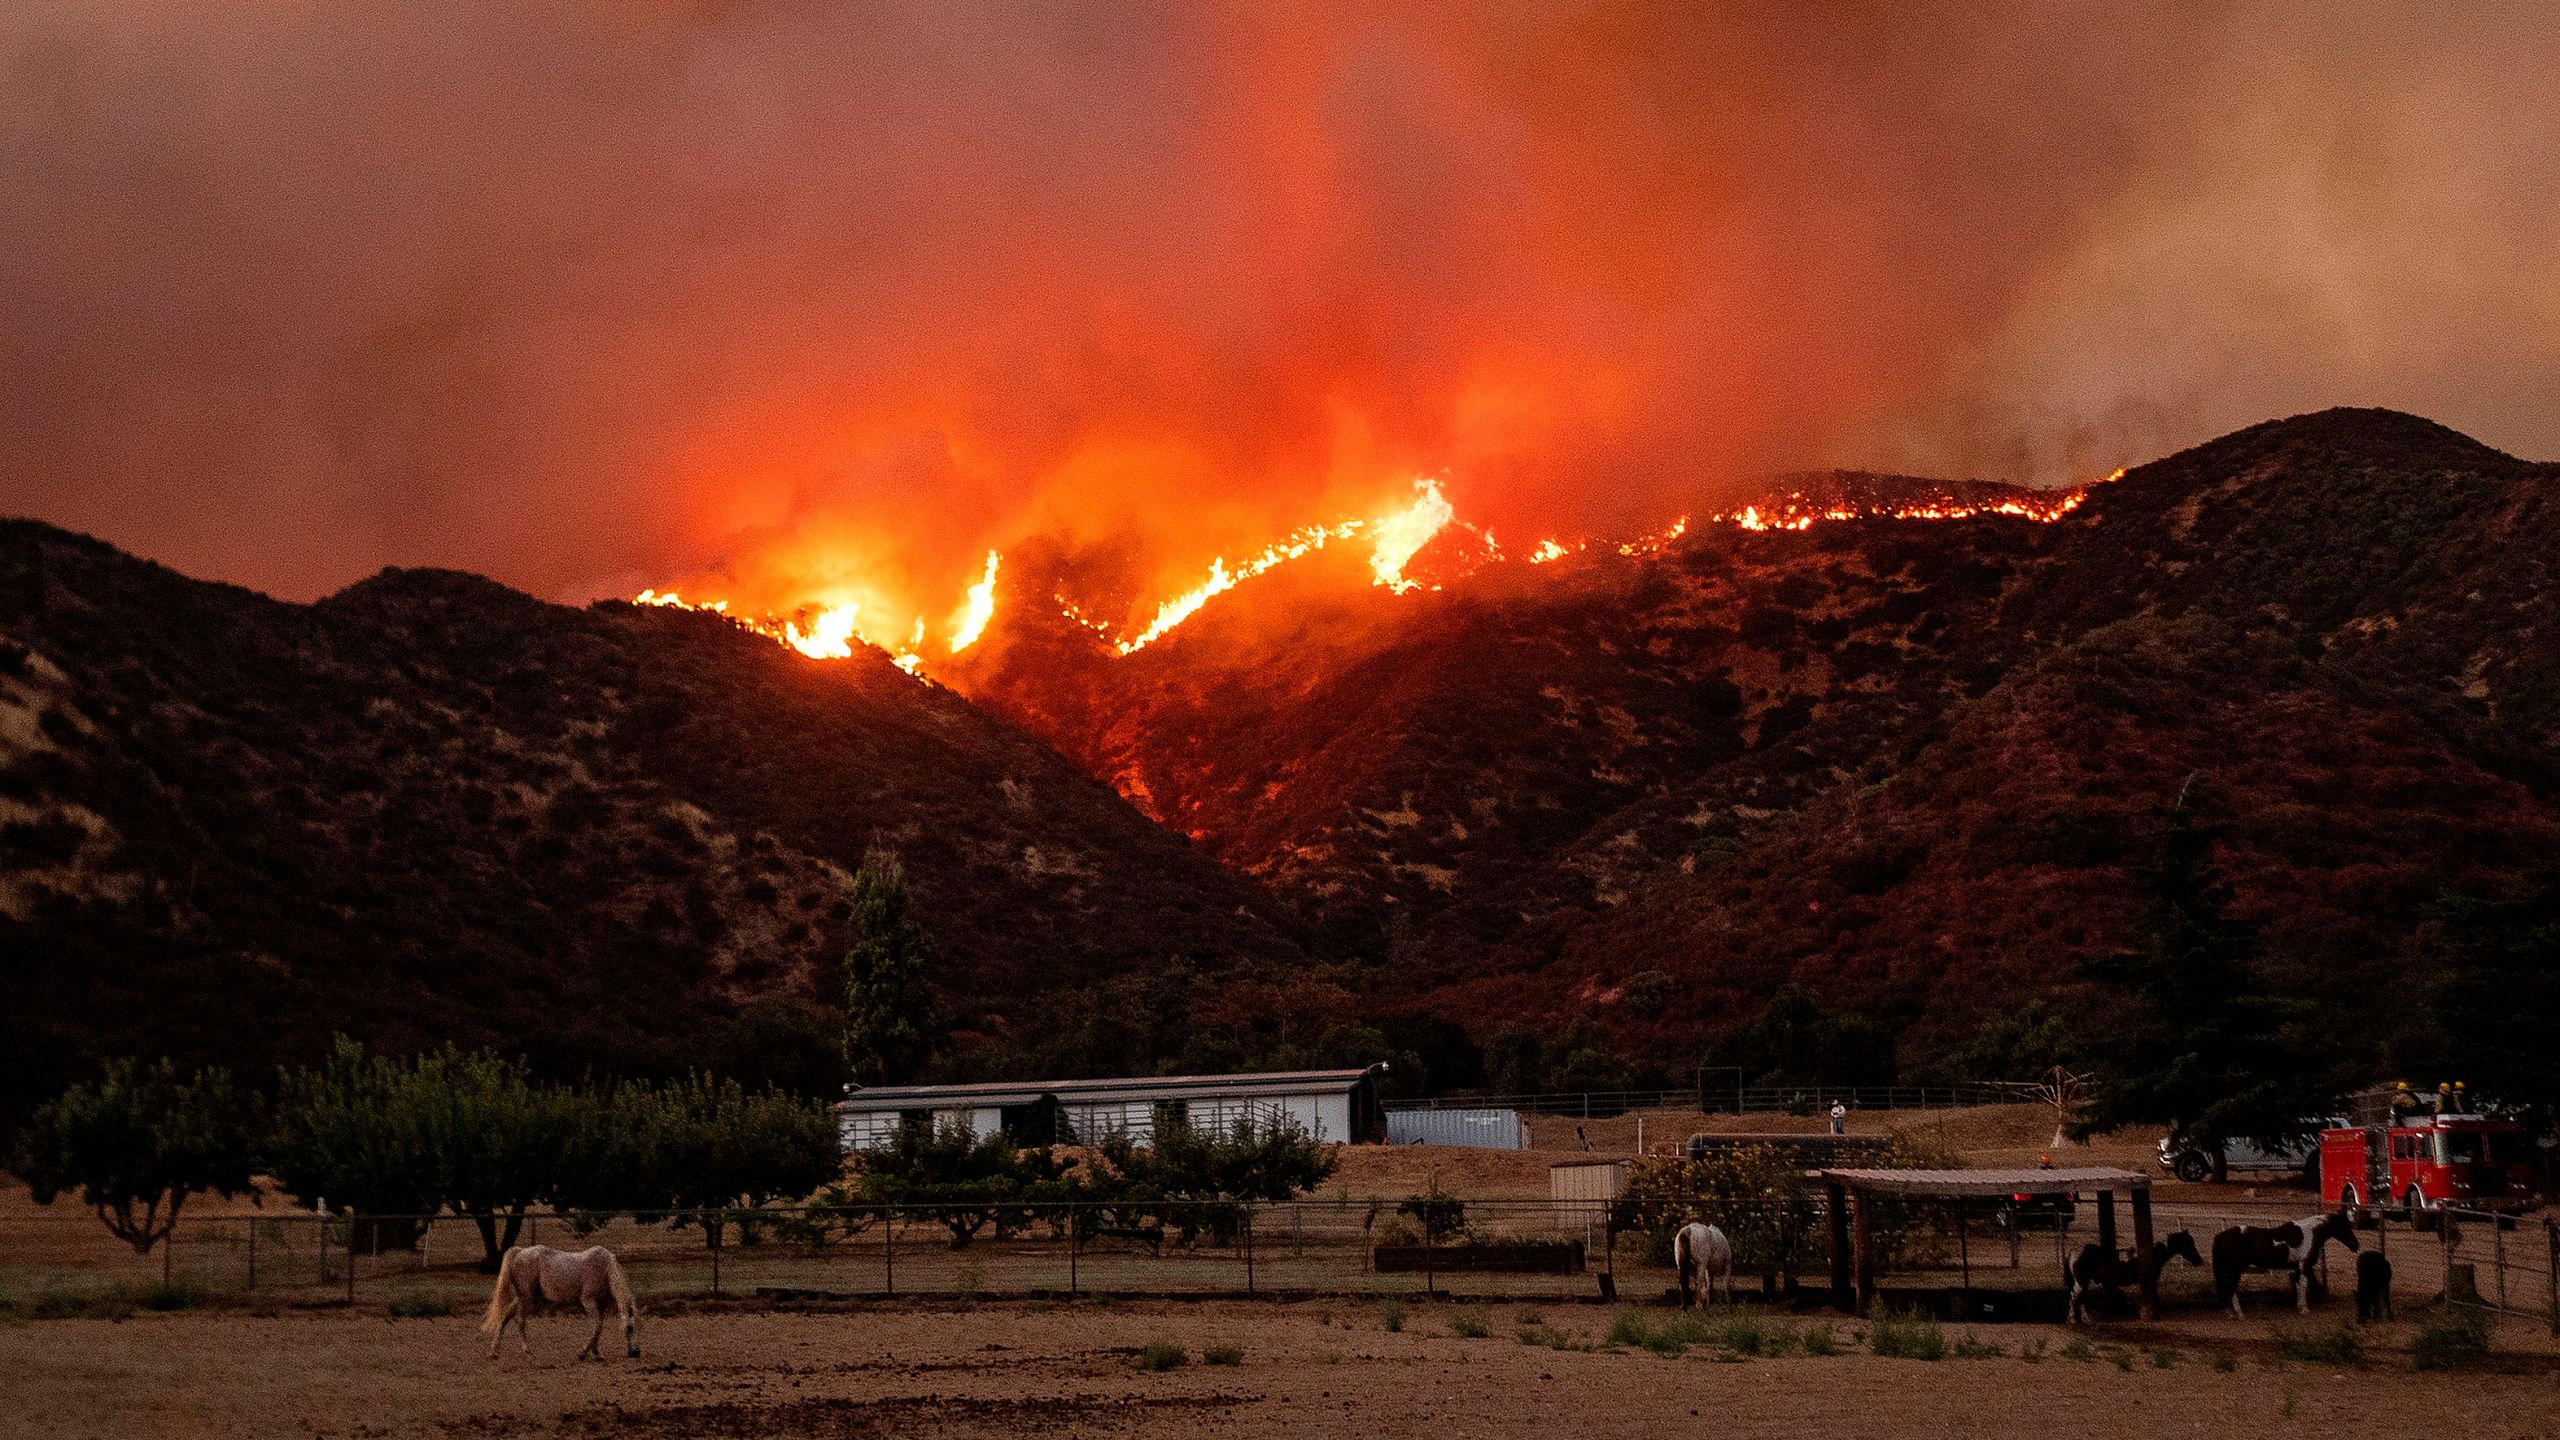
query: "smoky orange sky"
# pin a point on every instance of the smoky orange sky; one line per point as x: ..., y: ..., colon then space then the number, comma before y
x: 765, y: 295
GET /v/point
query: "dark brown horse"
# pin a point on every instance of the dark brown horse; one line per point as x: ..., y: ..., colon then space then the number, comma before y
x: 2098, y: 1268
x: 2293, y: 1248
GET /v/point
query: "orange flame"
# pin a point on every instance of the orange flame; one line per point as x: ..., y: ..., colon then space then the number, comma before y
x: 1399, y: 535
x: 975, y: 611
x: 1396, y: 537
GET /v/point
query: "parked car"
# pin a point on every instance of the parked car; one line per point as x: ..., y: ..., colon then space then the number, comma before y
x: 2192, y: 1162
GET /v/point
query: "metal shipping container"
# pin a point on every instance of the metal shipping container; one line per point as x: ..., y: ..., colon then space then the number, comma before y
x: 1474, y: 1129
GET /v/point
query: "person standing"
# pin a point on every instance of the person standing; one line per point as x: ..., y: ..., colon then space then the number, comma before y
x: 1839, y: 1117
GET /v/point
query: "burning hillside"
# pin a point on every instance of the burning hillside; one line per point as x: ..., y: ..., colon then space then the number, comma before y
x: 1419, y: 544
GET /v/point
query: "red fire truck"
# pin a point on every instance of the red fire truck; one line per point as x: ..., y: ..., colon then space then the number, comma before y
x: 2424, y: 1161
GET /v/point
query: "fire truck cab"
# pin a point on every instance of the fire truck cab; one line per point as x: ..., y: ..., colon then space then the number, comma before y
x: 2425, y: 1161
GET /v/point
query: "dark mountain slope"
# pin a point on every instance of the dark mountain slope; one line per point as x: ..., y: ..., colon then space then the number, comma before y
x: 1986, y: 870
x: 1913, y: 765
x: 431, y: 808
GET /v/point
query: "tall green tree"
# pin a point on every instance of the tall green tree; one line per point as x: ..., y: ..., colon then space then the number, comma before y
x: 2496, y: 1003
x: 2200, y: 1044
x: 393, y: 1139
x: 892, y: 1024
x: 138, y: 1141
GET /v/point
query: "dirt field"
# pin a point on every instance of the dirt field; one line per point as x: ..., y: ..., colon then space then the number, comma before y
x: 1306, y: 1369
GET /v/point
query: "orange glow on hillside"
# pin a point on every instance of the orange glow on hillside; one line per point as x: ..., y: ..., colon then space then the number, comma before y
x: 829, y: 631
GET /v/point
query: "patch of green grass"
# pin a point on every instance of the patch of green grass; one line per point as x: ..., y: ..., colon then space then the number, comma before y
x: 175, y: 1295
x: 2123, y: 1358
x: 2338, y: 1345
x: 109, y: 1302
x: 1541, y: 1335
x: 2449, y: 1338
x: 2164, y: 1357
x: 1222, y: 1355
x: 2033, y: 1351
x: 1744, y: 1333
x: 1669, y: 1337
x: 1531, y: 1317
x: 1906, y: 1336
x: 1467, y: 1325
x: 2078, y: 1349
x: 2226, y: 1361
x: 1818, y: 1340
x: 1163, y: 1355
x: 1391, y: 1315
x: 419, y: 1305
x: 1969, y: 1348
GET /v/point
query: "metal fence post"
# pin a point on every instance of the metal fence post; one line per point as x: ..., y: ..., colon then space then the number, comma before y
x: 2498, y: 1249
x: 889, y: 1249
x: 1075, y: 1246
x: 714, y: 1237
x: 1245, y: 1212
x: 2551, y: 1252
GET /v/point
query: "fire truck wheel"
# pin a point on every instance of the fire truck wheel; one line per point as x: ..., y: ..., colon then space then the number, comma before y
x: 2349, y: 1199
x: 2423, y: 1212
x: 2193, y: 1167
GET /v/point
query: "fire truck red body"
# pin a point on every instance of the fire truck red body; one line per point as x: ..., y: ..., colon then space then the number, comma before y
x: 2423, y: 1161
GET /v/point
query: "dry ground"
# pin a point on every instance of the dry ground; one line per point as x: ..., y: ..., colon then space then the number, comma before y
x: 1307, y: 1369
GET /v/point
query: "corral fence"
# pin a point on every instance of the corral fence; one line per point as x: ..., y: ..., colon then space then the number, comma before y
x: 2498, y: 1262
x: 1728, y: 1100
x: 1555, y: 1251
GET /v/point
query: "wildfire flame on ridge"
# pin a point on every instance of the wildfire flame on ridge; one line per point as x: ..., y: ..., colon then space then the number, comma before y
x: 830, y: 632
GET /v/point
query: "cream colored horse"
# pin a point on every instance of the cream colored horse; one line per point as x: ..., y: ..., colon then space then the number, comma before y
x: 533, y: 1273
x: 1702, y: 1252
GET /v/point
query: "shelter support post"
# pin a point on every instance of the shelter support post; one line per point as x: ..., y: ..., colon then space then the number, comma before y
x: 1866, y: 1249
x: 1842, y: 1297
x: 2145, y: 1264
x: 2107, y: 1220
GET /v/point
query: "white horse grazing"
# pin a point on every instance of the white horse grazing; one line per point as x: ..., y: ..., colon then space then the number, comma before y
x: 1701, y: 1249
x: 533, y: 1273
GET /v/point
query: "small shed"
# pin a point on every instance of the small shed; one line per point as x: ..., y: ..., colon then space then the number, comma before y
x: 1853, y: 1277
x: 1584, y: 1189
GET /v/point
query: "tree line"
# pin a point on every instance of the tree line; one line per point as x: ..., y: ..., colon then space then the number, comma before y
x: 393, y: 1139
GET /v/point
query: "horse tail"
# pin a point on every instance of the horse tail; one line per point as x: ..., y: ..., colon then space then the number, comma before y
x: 623, y: 1299
x: 495, y: 1320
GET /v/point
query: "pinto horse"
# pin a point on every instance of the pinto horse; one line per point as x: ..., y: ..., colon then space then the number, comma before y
x: 534, y: 1273
x: 2099, y: 1268
x: 2293, y: 1248
x: 1701, y: 1250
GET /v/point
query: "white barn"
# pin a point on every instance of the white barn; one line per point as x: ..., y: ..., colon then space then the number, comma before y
x: 1340, y: 1106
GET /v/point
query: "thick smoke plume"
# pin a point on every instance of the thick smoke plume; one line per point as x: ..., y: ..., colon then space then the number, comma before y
x: 797, y: 296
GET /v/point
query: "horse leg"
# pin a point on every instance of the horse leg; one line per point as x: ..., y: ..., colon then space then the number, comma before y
x: 595, y: 1333
x: 2301, y: 1291
x: 505, y: 1314
x: 524, y: 1327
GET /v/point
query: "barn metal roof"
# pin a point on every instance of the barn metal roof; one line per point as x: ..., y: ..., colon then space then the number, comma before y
x: 1104, y: 1092
x: 1964, y: 1183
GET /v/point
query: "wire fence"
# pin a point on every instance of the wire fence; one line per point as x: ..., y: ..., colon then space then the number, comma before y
x: 1728, y: 1100
x: 2499, y: 1262
x: 1982, y: 1259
